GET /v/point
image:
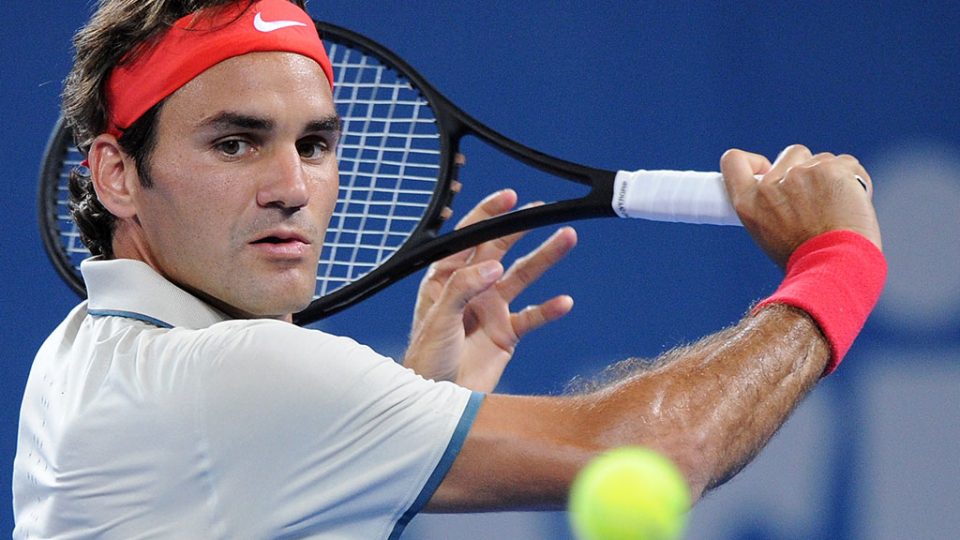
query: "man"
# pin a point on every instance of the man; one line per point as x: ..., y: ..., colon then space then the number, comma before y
x: 178, y: 401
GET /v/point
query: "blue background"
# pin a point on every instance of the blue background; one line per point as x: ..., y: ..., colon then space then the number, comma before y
x: 644, y: 85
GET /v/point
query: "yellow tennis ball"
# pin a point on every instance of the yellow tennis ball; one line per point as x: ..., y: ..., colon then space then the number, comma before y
x: 629, y: 493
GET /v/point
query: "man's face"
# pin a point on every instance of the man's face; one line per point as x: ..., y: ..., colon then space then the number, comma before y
x: 244, y: 179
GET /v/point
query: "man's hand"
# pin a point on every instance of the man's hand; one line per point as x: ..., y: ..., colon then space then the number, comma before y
x: 463, y: 329
x: 799, y: 196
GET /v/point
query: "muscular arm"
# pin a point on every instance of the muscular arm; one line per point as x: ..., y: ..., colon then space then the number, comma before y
x: 710, y: 407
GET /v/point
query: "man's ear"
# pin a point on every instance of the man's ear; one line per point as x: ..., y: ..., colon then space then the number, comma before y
x: 114, y: 175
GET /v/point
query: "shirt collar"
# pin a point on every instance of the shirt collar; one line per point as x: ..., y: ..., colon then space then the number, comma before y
x: 133, y: 289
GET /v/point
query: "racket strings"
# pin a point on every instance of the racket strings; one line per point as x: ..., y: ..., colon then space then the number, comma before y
x: 71, y: 245
x: 389, y: 157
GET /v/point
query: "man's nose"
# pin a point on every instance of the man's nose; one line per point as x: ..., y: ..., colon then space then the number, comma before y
x: 285, y: 184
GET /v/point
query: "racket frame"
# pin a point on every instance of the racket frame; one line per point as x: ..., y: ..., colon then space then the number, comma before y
x: 424, y: 244
x: 52, y: 167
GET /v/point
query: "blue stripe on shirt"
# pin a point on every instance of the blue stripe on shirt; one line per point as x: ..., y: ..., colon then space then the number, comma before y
x: 129, y: 315
x: 446, y: 461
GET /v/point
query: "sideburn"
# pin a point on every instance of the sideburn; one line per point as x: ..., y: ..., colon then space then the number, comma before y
x: 139, y: 140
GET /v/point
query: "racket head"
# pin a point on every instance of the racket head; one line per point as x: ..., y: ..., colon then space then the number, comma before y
x: 60, y: 234
x: 397, y: 165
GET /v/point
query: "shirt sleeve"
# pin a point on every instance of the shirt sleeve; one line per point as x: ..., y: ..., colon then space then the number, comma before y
x: 308, y: 432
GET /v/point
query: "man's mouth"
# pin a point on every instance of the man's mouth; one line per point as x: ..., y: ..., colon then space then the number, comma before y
x: 284, y: 244
x: 276, y: 240
x: 280, y: 237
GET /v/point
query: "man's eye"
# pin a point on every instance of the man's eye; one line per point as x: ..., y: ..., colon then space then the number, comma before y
x: 312, y: 149
x: 233, y: 147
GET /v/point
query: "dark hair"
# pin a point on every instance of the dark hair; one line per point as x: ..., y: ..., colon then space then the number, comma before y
x: 96, y: 223
x: 118, y: 32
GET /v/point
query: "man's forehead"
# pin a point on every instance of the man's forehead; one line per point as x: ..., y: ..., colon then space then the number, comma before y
x: 271, y: 86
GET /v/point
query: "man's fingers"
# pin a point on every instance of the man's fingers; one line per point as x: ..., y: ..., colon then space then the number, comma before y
x: 450, y: 263
x: 533, y: 317
x: 467, y: 283
x: 498, y: 247
x: 493, y: 205
x: 529, y: 268
x: 791, y: 156
x: 739, y: 169
x: 436, y: 277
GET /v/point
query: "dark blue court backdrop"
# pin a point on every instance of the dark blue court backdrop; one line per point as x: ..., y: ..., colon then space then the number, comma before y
x: 873, y: 452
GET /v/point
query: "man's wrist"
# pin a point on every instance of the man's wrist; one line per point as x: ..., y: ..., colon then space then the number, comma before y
x: 836, y: 278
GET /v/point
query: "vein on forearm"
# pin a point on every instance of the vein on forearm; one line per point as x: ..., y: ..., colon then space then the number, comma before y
x: 711, y: 405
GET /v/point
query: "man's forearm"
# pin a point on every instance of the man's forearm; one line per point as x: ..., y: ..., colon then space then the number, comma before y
x: 712, y: 405
x: 709, y: 406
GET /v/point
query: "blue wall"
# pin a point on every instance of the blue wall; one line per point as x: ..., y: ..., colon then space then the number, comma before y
x: 873, y: 453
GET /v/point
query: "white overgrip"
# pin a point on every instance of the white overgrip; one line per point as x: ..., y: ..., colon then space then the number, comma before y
x: 675, y: 196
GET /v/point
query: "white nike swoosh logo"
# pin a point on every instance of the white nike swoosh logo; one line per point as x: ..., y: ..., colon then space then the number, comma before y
x: 270, y: 26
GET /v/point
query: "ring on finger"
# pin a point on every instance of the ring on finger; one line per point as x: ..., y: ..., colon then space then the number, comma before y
x: 860, y: 179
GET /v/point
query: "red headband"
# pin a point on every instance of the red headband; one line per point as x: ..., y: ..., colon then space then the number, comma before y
x: 195, y: 44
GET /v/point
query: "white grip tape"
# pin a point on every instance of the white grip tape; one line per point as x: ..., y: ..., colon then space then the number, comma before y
x: 675, y: 196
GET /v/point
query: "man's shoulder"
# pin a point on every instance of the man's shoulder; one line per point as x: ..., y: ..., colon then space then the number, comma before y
x: 269, y: 334
x: 253, y: 345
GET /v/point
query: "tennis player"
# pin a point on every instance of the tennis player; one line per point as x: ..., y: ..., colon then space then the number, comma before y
x: 179, y: 402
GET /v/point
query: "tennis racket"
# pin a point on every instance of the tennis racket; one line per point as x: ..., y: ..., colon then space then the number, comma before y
x: 399, y: 165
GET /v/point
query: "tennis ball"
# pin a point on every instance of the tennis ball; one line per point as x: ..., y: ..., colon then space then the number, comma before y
x: 629, y: 493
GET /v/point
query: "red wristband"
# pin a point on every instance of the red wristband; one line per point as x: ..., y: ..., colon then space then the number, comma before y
x: 836, y: 278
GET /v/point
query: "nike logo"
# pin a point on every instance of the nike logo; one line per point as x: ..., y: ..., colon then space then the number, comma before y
x: 270, y: 26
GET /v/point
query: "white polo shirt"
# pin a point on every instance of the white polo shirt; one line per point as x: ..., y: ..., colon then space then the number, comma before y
x: 149, y: 414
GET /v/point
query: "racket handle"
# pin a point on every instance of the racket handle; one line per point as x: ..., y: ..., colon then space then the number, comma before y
x: 675, y: 196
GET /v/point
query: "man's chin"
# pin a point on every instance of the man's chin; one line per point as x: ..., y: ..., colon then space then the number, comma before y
x: 290, y: 291
x: 284, y: 310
